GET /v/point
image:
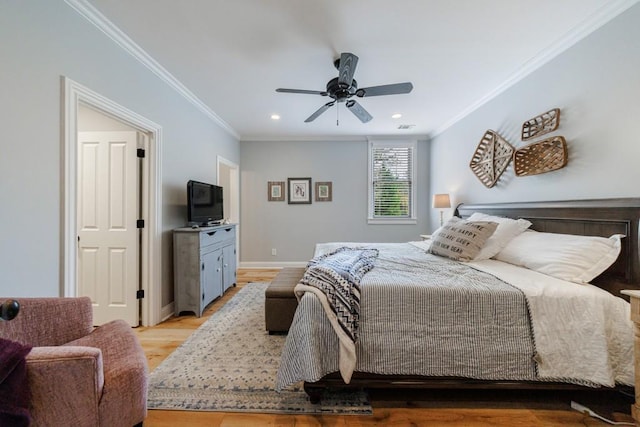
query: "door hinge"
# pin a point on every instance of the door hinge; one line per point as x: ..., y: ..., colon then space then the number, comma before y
x: 140, y: 294
x: 140, y: 153
x: 140, y: 223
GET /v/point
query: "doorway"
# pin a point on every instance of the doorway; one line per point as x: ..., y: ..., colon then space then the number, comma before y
x: 78, y: 97
x: 229, y: 180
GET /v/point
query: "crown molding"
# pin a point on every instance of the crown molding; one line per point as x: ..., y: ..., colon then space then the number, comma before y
x: 93, y: 15
x: 332, y: 138
x: 605, y: 14
x: 300, y: 138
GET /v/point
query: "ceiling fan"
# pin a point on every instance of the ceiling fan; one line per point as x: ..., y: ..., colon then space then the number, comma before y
x: 344, y: 87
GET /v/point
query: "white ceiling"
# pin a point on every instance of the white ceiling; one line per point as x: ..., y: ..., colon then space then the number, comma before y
x: 457, y: 53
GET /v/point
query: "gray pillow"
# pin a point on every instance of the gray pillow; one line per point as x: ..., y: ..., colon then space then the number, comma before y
x: 461, y: 240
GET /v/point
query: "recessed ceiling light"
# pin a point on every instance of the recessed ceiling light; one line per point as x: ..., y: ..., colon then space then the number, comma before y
x: 275, y: 117
x: 396, y: 116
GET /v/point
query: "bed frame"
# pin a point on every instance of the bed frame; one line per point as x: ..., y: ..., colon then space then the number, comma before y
x: 602, y: 217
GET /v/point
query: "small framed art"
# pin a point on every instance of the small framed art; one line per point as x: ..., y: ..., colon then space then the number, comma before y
x: 276, y: 191
x: 323, y: 191
x: 299, y: 191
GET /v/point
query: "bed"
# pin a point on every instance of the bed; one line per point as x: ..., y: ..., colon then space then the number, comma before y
x: 404, y: 357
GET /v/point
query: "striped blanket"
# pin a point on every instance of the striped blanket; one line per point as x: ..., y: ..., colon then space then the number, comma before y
x: 335, y: 279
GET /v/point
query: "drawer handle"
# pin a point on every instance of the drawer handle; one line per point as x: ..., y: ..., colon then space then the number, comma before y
x: 217, y: 270
x: 211, y: 233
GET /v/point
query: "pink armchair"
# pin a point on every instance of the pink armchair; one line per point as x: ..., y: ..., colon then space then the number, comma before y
x: 79, y: 375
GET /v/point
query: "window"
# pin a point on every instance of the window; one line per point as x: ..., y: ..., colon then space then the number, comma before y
x: 392, y: 182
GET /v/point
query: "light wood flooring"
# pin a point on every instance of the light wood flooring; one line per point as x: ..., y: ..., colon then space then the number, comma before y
x: 411, y: 408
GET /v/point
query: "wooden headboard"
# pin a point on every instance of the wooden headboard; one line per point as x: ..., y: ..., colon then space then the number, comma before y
x: 602, y: 217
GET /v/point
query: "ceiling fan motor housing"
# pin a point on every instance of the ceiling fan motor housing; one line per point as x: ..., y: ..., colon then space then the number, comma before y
x: 340, y: 91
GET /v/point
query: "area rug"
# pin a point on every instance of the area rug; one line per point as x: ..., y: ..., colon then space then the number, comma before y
x: 229, y: 364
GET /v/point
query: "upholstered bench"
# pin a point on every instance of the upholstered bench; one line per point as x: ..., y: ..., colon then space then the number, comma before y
x: 280, y: 301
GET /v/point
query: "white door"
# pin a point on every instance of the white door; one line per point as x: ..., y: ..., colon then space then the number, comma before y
x: 106, y: 217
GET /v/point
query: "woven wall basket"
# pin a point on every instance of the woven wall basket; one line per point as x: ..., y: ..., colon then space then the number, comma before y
x: 540, y: 157
x: 541, y: 124
x: 491, y: 158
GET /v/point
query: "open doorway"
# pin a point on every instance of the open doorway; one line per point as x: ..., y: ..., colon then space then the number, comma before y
x: 147, y: 133
x: 229, y: 180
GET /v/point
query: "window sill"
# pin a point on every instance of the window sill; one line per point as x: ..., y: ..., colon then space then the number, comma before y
x: 391, y: 221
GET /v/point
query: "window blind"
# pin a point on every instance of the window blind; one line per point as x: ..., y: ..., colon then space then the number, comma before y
x: 392, y: 181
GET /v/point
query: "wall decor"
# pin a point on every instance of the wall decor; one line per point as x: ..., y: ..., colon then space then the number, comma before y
x: 275, y: 191
x: 491, y: 158
x: 541, y: 124
x: 299, y: 191
x: 324, y: 191
x: 540, y: 157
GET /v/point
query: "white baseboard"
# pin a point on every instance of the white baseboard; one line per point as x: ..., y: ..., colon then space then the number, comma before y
x: 167, y: 312
x: 250, y: 265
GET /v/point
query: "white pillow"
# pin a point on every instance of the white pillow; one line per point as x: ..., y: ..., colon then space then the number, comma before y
x: 507, y: 229
x: 577, y: 259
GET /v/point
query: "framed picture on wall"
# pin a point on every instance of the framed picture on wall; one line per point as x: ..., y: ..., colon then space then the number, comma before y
x: 299, y: 191
x: 275, y: 191
x: 323, y: 191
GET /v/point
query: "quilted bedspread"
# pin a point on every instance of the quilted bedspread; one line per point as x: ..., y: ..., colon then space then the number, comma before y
x: 420, y: 314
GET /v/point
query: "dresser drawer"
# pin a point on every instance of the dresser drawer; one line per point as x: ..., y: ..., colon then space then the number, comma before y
x: 212, y: 237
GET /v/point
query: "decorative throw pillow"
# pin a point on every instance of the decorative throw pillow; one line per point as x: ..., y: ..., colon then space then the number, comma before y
x: 461, y: 240
x: 507, y: 229
x: 578, y: 259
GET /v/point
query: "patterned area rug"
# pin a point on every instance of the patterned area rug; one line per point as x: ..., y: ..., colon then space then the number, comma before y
x: 230, y: 363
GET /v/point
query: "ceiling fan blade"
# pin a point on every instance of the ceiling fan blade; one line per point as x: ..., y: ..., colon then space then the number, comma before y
x: 319, y: 111
x: 309, y: 92
x: 359, y: 111
x: 348, y: 62
x: 393, y: 89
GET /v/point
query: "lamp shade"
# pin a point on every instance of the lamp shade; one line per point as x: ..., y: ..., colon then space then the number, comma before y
x: 441, y: 201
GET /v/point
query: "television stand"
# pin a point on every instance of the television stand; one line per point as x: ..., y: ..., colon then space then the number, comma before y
x: 204, y: 265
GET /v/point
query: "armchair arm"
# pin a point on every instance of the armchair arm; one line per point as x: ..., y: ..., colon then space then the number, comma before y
x: 66, y: 385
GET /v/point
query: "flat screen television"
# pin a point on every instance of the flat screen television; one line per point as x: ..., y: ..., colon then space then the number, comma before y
x: 204, y: 203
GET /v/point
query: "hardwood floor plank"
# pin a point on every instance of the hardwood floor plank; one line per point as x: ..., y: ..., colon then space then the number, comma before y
x: 394, y: 409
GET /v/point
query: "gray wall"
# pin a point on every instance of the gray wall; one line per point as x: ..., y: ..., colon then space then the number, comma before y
x: 596, y: 85
x: 42, y: 41
x: 293, y: 230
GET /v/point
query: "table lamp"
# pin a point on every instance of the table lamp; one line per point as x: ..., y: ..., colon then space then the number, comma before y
x: 441, y: 201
